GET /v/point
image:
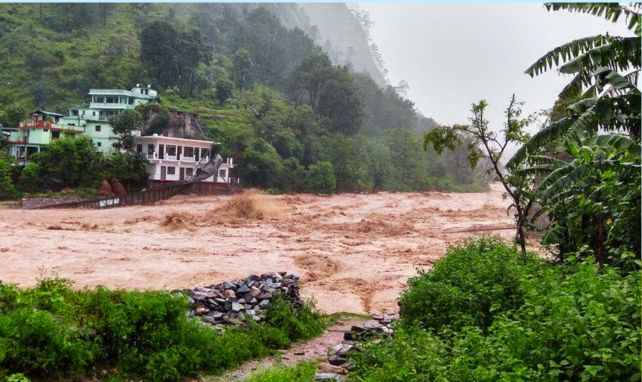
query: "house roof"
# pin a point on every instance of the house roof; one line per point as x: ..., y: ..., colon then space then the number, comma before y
x: 119, y: 92
x: 47, y: 113
x: 173, y: 139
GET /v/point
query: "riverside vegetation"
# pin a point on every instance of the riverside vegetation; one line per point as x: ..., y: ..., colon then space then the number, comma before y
x: 54, y: 331
x: 488, y: 312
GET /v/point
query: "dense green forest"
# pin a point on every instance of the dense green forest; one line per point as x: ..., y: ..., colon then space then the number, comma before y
x: 273, y: 98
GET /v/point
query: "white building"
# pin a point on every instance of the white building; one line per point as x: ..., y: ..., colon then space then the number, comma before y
x: 174, y: 159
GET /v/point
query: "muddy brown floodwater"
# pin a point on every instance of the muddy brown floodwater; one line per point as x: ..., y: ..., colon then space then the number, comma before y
x: 354, y: 252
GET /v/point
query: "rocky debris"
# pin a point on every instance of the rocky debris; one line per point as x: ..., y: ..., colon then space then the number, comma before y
x: 380, y: 325
x: 117, y: 188
x: 329, y: 377
x: 170, y: 124
x: 232, y: 302
x: 105, y: 189
x: 368, y: 330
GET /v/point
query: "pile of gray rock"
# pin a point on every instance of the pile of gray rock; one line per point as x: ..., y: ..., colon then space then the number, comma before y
x: 380, y: 325
x: 232, y: 302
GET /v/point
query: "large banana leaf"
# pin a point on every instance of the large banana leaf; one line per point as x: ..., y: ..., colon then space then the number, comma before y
x: 566, y: 52
x: 610, y: 11
x: 547, y: 134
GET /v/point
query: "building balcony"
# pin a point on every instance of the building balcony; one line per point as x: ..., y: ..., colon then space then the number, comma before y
x: 153, y: 158
x: 27, y: 125
x: 111, y: 106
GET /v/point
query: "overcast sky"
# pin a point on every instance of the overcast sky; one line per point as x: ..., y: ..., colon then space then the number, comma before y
x: 452, y: 55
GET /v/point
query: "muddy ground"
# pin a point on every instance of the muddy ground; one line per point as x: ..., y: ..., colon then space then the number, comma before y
x: 354, y: 252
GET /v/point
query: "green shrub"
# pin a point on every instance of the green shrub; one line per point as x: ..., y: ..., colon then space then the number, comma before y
x: 129, y: 169
x: 301, y: 323
x: 52, y: 330
x: 565, y: 322
x: 320, y: 178
x: 470, y: 286
x: 67, y: 162
x: 302, y: 372
x: 7, y: 188
x: 411, y: 355
x: 19, y: 377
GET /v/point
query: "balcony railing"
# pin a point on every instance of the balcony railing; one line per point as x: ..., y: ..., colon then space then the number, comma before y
x: 48, y: 125
x: 112, y: 105
x: 183, y: 158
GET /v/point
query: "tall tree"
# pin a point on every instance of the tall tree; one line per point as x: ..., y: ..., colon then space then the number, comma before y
x: 483, y: 142
x: 123, y: 126
x: 330, y: 91
x: 171, y: 56
x: 243, y: 70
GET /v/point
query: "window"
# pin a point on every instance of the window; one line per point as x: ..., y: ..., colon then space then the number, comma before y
x: 150, y: 148
x: 114, y: 145
x: 205, y: 152
x: 45, y: 130
x: 139, y: 148
x: 171, y: 170
x: 189, y: 171
x: 171, y: 150
x: 55, y: 134
x: 222, y: 173
x: 97, y: 128
x: 99, y: 144
x: 188, y: 151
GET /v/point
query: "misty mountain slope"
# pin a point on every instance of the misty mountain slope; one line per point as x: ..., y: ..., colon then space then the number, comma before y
x: 342, y: 37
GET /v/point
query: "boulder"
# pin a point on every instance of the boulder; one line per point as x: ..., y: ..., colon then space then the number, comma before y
x: 117, y: 188
x: 105, y: 189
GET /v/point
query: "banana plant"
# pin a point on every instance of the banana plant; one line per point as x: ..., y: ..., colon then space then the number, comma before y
x: 598, y: 97
x: 594, y: 198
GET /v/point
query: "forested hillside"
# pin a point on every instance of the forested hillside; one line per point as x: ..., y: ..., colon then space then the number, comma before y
x: 275, y: 100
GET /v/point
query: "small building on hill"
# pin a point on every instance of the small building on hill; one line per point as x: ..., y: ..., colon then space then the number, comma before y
x: 32, y: 135
x: 174, y: 159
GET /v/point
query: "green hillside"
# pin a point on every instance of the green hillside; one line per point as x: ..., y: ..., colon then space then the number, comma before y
x: 274, y: 99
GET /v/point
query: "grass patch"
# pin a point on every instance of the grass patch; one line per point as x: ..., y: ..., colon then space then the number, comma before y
x: 485, y: 313
x: 55, y: 332
x: 302, y: 372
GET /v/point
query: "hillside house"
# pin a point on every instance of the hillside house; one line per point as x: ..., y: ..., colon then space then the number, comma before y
x: 174, y: 159
x: 104, y: 104
x: 31, y: 136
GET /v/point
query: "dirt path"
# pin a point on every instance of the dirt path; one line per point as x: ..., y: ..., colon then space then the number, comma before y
x: 314, y: 350
x: 353, y: 251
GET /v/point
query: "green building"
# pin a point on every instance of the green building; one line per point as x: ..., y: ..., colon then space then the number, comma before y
x: 35, y: 134
x: 31, y: 136
x: 104, y: 104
